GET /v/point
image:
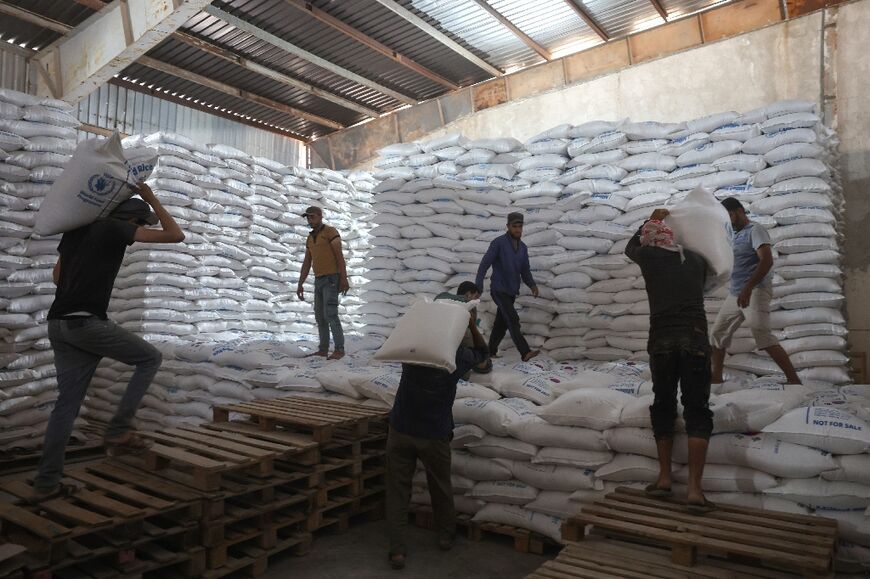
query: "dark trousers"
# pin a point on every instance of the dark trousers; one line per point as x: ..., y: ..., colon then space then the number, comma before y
x: 402, y: 454
x: 506, y: 320
x: 684, y: 361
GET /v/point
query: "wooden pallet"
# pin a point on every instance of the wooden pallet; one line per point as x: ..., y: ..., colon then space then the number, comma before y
x: 12, y: 461
x: 300, y: 448
x: 798, y: 543
x: 199, y: 457
x: 322, y: 418
x: 599, y: 557
x: 11, y: 559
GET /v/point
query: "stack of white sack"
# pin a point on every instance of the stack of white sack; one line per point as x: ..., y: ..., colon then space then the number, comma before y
x: 541, y: 439
x: 37, y: 138
x: 585, y: 190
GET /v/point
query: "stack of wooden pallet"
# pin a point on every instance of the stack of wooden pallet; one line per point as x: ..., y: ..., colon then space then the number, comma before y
x: 352, y: 447
x: 637, y: 536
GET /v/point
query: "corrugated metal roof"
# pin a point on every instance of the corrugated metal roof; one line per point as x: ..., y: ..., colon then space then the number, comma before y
x: 551, y: 23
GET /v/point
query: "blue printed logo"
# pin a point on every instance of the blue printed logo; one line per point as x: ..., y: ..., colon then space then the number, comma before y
x: 103, y: 185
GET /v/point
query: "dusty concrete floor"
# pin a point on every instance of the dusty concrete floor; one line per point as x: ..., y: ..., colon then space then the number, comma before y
x: 361, y: 553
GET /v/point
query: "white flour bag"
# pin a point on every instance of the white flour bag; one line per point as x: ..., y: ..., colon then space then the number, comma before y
x: 702, y: 225
x: 95, y: 181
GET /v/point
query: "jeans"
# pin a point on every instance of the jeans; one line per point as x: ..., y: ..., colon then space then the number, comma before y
x: 326, y: 311
x: 402, y: 454
x: 506, y: 320
x: 685, y: 360
x: 79, y: 345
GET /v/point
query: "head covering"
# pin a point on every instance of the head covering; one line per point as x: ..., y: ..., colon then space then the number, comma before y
x: 514, y: 217
x: 312, y: 211
x: 732, y: 204
x: 134, y: 208
x: 655, y: 233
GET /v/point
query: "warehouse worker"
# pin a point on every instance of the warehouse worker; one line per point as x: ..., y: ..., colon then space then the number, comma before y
x: 421, y: 427
x: 509, y: 258
x: 468, y: 292
x: 751, y: 292
x: 323, y: 250
x: 679, y: 352
x: 81, y: 333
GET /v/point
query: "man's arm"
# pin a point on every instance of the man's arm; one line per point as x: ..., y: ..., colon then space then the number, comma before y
x: 468, y: 358
x: 303, y: 275
x: 485, y: 264
x: 55, y: 273
x: 526, y: 274
x: 765, y: 262
x: 169, y: 232
x: 343, y: 284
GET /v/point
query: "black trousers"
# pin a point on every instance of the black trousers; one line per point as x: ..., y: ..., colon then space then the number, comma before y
x: 681, y: 361
x: 506, y: 320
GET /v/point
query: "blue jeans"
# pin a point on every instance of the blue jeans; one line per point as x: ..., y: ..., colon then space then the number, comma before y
x: 326, y: 311
x: 79, y: 345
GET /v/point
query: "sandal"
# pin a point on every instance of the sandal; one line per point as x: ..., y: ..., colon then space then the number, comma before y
x: 397, y: 561
x: 58, y: 491
x: 652, y: 490
x: 319, y: 353
x: 131, y: 443
x: 700, y: 508
x: 530, y: 355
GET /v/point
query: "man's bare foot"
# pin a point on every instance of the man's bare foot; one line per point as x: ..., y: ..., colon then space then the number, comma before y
x: 337, y: 355
x: 531, y: 354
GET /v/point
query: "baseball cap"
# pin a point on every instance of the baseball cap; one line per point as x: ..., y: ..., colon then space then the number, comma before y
x: 312, y: 211
x: 134, y: 208
x: 514, y: 217
x: 732, y: 204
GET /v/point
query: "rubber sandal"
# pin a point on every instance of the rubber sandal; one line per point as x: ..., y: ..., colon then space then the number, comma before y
x: 134, y: 444
x: 397, y: 561
x: 651, y: 490
x: 59, y: 491
x: 317, y: 353
x: 530, y: 355
x: 701, y: 508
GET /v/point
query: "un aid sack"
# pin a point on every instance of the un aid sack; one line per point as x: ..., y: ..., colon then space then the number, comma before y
x: 428, y: 335
x: 702, y: 225
x: 95, y: 181
x: 823, y: 427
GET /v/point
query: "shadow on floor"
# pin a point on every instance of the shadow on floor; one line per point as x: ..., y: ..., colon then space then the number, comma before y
x: 361, y: 553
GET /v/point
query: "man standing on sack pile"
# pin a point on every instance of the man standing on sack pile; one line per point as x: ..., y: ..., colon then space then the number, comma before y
x: 679, y: 352
x: 751, y: 292
x: 323, y: 249
x: 81, y: 333
x: 509, y: 258
x: 421, y: 427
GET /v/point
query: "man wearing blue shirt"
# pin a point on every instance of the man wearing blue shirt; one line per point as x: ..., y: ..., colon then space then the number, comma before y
x: 421, y: 427
x: 751, y: 292
x: 509, y: 258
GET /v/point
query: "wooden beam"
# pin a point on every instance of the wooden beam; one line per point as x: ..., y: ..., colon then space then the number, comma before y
x: 439, y: 36
x: 102, y: 131
x: 348, y: 30
x: 28, y: 16
x: 136, y: 87
x: 304, y: 54
x: 504, y: 21
x: 660, y: 9
x: 236, y: 92
x: 238, y: 60
x: 107, y: 42
x: 92, y: 4
x: 588, y: 19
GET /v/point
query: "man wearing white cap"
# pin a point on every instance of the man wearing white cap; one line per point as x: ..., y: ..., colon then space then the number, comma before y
x: 81, y: 333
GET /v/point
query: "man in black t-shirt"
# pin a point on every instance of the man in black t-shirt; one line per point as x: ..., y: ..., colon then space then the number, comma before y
x: 81, y: 333
x: 421, y: 427
x: 679, y: 352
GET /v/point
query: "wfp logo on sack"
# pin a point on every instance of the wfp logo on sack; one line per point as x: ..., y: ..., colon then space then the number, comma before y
x: 102, y: 185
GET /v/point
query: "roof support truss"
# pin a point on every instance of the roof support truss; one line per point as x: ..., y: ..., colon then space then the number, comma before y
x: 660, y: 9
x: 348, y: 30
x: 584, y: 15
x: 304, y: 54
x: 504, y: 21
x: 439, y: 36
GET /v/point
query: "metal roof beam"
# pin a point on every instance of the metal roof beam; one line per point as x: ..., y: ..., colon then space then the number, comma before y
x: 348, y: 30
x: 92, y: 4
x: 504, y: 21
x: 107, y: 42
x: 439, y: 36
x: 236, y: 92
x: 660, y: 9
x: 304, y: 54
x: 28, y: 16
x: 234, y: 58
x: 584, y: 15
x: 135, y: 86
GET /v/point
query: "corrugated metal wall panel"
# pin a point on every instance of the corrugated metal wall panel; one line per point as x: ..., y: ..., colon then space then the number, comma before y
x: 131, y: 112
x: 13, y: 70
